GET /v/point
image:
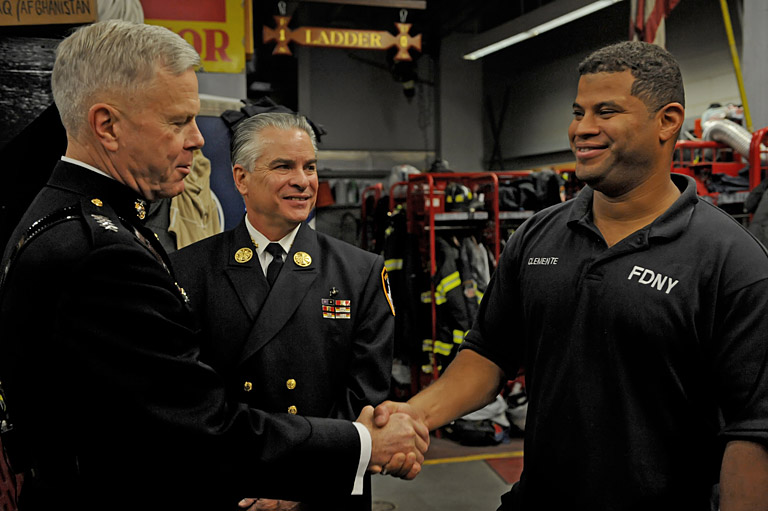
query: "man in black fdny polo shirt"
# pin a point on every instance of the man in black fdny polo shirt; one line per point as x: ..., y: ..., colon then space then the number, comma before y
x: 639, y: 314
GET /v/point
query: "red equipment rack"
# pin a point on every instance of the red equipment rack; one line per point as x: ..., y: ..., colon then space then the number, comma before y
x: 692, y: 156
x: 397, y: 198
x: 425, y: 208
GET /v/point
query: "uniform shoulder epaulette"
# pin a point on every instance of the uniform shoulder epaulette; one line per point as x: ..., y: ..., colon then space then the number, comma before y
x: 102, y: 221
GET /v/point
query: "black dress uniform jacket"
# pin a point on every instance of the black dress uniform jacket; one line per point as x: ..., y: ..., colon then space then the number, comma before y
x: 318, y: 343
x: 99, y: 360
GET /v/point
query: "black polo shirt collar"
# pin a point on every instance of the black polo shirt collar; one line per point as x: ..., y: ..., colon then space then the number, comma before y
x: 670, y: 224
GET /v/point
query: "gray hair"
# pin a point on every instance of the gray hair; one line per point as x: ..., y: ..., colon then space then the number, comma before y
x: 112, y: 56
x: 658, y: 81
x: 247, y: 145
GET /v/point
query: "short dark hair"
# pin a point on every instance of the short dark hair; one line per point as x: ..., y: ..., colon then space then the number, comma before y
x: 658, y: 81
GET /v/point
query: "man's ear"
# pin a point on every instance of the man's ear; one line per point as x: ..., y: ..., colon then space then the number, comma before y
x: 239, y: 174
x: 102, y: 119
x: 671, y: 119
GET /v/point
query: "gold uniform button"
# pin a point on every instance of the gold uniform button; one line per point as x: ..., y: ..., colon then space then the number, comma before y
x: 291, y: 384
x: 293, y: 410
x: 247, y: 386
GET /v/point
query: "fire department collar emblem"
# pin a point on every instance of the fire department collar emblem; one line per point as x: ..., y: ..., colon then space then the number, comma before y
x: 243, y: 255
x: 302, y: 259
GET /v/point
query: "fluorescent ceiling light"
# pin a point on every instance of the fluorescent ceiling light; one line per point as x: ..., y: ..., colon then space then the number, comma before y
x: 540, y: 29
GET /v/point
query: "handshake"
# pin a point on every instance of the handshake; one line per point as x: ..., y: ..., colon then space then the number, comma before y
x: 400, y: 437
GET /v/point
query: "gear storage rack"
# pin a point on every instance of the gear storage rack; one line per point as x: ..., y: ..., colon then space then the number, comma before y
x: 692, y: 156
x: 426, y: 214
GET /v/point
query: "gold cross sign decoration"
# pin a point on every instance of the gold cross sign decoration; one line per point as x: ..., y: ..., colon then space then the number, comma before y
x: 341, y: 38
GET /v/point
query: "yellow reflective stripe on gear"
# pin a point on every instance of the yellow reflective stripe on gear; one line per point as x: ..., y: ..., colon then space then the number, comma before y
x: 393, y: 264
x: 479, y: 296
x: 448, y: 283
x: 458, y: 336
x: 443, y: 348
x: 426, y: 297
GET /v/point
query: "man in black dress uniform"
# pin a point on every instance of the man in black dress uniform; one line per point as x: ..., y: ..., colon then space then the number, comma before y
x: 108, y: 406
x: 317, y: 341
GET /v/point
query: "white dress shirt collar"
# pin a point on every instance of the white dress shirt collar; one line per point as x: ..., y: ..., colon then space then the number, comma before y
x: 262, y: 241
x: 85, y: 165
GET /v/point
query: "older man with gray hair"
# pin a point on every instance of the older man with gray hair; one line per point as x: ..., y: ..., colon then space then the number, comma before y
x: 108, y: 405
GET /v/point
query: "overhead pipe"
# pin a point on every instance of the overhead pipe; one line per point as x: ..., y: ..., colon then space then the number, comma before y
x: 731, y: 134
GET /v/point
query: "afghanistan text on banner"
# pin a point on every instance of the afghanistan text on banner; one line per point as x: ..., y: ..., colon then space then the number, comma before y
x: 47, y: 12
x: 216, y: 28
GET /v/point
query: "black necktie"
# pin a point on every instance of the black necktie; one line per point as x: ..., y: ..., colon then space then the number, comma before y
x: 277, y: 262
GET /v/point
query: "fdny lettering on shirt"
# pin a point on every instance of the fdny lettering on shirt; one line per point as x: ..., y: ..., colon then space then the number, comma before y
x: 337, y: 309
x: 542, y: 260
x: 651, y: 278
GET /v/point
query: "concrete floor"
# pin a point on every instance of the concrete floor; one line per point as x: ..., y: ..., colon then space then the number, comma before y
x: 457, y: 481
x: 466, y: 486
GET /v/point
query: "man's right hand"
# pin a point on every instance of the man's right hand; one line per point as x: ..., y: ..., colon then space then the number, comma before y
x: 402, y: 437
x: 384, y: 410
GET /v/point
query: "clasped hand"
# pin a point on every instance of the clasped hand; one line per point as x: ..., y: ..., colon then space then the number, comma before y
x: 399, y: 437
